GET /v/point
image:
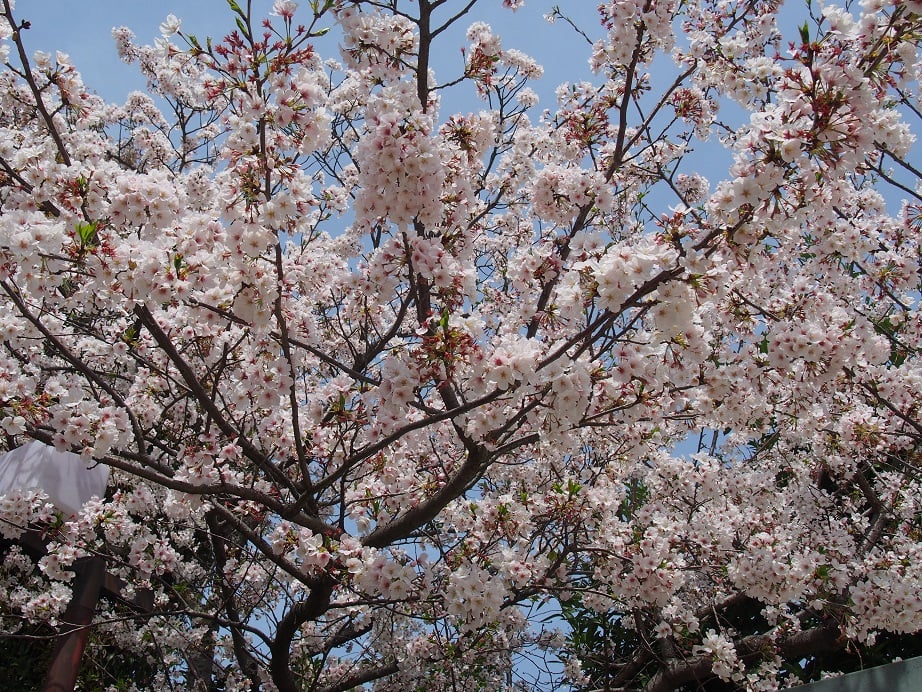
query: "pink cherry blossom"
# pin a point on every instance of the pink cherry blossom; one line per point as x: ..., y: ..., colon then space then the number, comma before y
x: 402, y: 392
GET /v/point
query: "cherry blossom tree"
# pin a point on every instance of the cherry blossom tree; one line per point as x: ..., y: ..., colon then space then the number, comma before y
x: 387, y: 391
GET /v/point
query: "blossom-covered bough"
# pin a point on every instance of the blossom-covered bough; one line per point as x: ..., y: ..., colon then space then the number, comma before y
x: 384, y: 389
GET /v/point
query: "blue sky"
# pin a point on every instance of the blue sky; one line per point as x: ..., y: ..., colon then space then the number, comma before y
x: 83, y: 30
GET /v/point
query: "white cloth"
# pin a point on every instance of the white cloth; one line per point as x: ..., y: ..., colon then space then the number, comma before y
x: 64, y: 476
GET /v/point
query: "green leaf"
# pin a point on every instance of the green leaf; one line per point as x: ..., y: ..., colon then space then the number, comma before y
x: 805, y: 33
x: 86, y: 233
x: 130, y: 335
x: 242, y: 26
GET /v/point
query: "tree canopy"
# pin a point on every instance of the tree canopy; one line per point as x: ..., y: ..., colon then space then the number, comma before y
x: 531, y: 395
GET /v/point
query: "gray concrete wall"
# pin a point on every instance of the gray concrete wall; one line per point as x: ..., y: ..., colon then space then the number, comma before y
x: 904, y: 676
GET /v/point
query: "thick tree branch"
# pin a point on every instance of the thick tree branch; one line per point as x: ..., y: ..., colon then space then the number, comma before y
x: 751, y: 649
x: 316, y: 604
